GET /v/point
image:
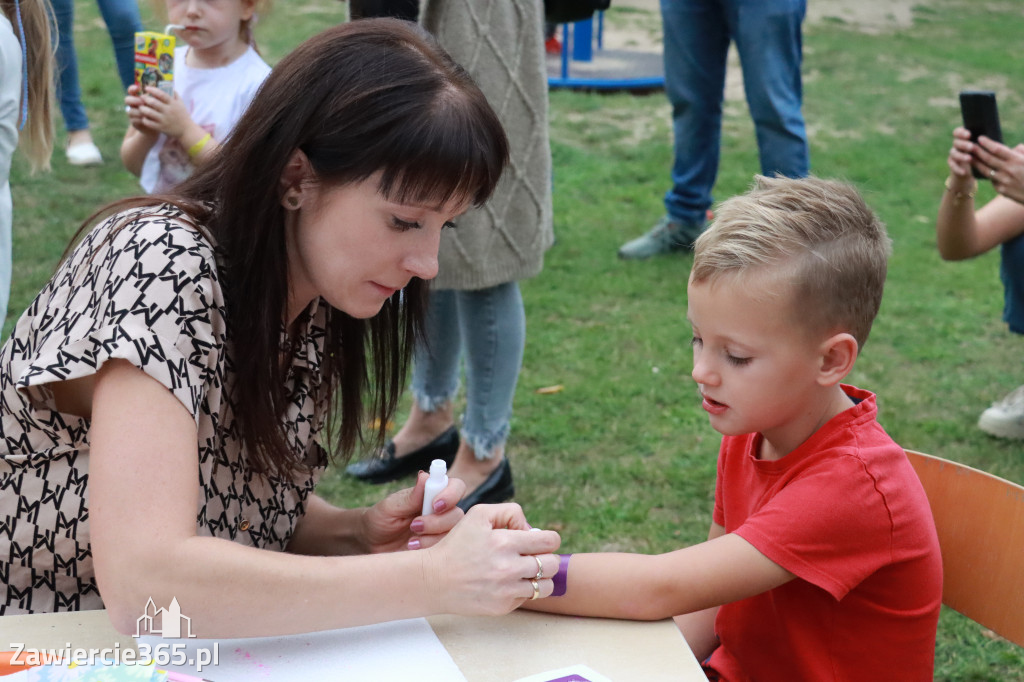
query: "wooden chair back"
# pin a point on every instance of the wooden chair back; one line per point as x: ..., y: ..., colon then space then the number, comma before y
x: 980, y: 521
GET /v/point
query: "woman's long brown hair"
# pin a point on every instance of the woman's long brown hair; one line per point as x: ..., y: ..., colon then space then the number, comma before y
x: 361, y: 97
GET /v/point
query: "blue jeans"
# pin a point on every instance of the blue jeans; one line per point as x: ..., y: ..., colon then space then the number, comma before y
x: 768, y: 38
x: 1011, y: 272
x: 123, y: 20
x: 488, y: 326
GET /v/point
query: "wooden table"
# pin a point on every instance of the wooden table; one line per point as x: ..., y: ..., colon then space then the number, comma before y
x: 485, y: 649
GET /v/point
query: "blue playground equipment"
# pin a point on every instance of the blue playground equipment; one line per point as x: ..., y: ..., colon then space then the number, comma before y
x: 583, y: 67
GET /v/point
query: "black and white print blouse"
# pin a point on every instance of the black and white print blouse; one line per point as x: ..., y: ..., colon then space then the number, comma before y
x: 148, y: 293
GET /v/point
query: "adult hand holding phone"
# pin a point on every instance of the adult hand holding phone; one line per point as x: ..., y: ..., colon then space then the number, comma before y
x: 981, y: 117
x: 1004, y: 165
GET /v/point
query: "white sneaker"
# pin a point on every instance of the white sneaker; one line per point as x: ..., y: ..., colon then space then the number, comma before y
x: 84, y: 154
x: 1005, y: 419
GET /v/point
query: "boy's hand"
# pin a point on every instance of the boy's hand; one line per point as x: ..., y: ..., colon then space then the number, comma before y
x: 162, y: 112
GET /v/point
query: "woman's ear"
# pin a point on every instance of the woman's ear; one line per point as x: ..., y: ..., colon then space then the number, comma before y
x: 295, y: 180
x: 838, y: 353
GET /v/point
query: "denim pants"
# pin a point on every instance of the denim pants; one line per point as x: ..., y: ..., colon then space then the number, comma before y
x: 488, y: 328
x: 1011, y: 272
x: 768, y: 38
x: 123, y: 20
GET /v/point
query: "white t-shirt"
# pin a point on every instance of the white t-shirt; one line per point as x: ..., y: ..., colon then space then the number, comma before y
x: 215, y: 99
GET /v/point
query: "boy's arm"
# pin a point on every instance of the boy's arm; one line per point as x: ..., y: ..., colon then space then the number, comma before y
x: 698, y: 627
x: 724, y: 569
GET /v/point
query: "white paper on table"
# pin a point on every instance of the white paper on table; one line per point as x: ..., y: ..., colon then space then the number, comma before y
x: 399, y: 650
x: 574, y: 673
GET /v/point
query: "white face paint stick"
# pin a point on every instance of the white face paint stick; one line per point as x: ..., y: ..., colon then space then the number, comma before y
x: 435, y: 484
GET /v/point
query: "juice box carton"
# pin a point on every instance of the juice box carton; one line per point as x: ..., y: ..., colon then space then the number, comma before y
x: 154, y: 60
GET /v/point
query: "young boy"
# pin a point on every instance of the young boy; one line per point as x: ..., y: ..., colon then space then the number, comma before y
x: 822, y: 562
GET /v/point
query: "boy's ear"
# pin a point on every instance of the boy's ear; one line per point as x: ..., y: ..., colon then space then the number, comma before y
x: 295, y: 179
x: 838, y: 353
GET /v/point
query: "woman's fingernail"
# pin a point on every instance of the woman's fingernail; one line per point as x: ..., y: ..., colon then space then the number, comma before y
x: 414, y: 543
x: 417, y: 526
x: 439, y: 505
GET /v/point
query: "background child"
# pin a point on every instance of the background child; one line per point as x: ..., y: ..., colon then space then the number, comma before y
x: 216, y: 75
x: 822, y: 561
x: 26, y: 100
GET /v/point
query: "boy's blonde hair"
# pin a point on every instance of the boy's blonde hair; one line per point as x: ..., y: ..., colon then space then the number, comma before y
x: 828, y: 245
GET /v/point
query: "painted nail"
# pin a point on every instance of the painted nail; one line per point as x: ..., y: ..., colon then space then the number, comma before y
x: 439, y: 505
x: 417, y: 526
x: 414, y: 543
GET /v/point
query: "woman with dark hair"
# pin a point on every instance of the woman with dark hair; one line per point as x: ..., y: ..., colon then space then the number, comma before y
x: 276, y: 294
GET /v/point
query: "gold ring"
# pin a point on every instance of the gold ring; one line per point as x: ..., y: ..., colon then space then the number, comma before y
x: 536, y: 589
x: 540, y: 568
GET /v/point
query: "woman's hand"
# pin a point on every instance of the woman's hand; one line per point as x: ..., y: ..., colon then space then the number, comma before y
x: 396, y: 522
x: 1003, y: 165
x: 487, y: 564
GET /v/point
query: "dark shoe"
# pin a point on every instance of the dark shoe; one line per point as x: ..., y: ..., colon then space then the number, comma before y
x: 666, y: 236
x: 386, y: 467
x: 496, y: 488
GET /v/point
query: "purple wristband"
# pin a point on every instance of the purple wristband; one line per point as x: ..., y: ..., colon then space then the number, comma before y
x: 560, y: 577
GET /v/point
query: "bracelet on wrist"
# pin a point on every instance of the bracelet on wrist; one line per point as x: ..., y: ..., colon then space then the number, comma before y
x: 198, y: 147
x: 561, y: 576
x: 960, y: 195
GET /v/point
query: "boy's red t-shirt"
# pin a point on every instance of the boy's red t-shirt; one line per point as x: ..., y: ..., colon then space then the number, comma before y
x: 847, y: 515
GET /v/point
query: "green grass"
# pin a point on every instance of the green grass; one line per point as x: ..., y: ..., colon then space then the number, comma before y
x: 623, y: 457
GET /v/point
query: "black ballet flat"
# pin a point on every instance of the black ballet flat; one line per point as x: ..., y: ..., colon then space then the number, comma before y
x: 496, y: 488
x: 386, y: 467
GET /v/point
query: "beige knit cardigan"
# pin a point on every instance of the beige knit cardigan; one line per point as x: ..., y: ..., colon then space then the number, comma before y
x: 501, y: 44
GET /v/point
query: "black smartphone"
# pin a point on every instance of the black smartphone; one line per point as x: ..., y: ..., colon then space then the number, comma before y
x: 981, y: 116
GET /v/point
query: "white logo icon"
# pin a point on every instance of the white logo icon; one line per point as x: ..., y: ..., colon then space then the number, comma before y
x: 170, y: 622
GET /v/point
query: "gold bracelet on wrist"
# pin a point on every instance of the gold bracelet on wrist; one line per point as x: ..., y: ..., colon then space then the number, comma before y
x: 959, y: 195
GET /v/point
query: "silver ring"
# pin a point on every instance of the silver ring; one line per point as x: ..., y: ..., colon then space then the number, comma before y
x: 992, y: 173
x: 536, y: 589
x: 540, y: 568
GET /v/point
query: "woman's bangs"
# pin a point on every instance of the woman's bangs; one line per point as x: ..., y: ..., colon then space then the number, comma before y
x: 448, y: 156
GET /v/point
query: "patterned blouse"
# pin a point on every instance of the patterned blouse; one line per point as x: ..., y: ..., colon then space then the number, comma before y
x: 150, y: 294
